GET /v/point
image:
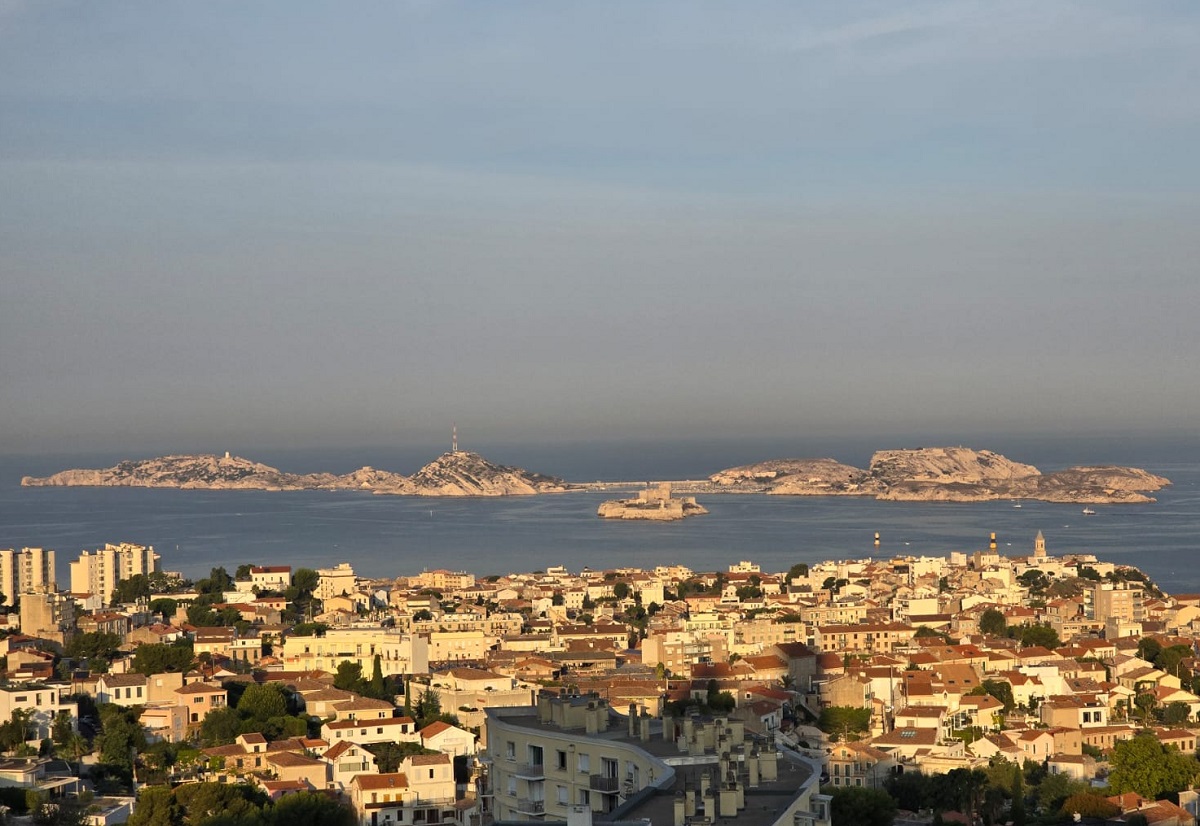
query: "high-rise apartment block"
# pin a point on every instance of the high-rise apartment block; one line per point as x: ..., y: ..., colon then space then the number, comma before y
x: 26, y: 571
x: 1122, y: 601
x: 99, y: 571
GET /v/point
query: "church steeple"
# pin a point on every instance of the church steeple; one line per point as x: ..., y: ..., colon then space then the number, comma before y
x: 1039, y: 545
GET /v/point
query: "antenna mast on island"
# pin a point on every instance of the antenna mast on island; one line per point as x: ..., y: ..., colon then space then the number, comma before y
x: 454, y: 438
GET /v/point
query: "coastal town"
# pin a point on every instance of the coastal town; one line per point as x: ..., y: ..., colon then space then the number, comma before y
x: 982, y: 687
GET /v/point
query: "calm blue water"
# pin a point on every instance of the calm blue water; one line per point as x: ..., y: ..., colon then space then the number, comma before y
x: 388, y: 536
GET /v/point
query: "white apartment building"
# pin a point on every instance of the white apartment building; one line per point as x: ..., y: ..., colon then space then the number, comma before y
x: 335, y: 581
x: 99, y: 571
x: 25, y: 571
x: 43, y: 701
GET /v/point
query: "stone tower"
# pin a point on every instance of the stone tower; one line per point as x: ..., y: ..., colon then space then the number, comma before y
x: 1039, y: 546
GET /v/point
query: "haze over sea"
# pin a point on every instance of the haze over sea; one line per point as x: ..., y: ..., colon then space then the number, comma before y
x: 385, y: 536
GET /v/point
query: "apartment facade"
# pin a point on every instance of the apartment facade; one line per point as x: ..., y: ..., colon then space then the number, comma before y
x: 99, y: 571
x: 26, y: 570
x: 398, y: 653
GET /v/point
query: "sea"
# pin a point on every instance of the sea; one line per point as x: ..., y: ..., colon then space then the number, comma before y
x: 388, y: 536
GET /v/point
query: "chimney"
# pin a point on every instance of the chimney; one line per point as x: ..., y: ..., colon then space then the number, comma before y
x: 680, y: 817
x: 579, y: 816
x: 645, y: 723
x: 633, y: 716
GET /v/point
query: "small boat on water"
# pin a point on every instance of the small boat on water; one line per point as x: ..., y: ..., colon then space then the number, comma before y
x: 1088, y: 511
x: 1016, y: 504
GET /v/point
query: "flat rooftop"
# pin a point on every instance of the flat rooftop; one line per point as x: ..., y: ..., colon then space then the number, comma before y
x: 764, y: 803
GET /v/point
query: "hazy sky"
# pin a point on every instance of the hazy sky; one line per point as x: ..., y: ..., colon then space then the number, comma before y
x: 330, y: 223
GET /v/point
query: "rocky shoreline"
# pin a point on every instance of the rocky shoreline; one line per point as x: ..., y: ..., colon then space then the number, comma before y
x: 942, y: 474
x: 457, y: 473
x: 938, y: 474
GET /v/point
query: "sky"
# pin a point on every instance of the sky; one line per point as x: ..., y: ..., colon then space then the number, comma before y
x: 300, y: 223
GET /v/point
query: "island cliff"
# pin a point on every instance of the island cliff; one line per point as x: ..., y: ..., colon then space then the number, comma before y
x: 941, y: 474
x: 655, y: 504
x: 457, y: 473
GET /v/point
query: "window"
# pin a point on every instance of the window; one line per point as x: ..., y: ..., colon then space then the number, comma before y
x: 561, y: 795
x: 510, y: 750
x: 585, y: 797
x: 560, y: 760
x: 512, y: 786
x: 585, y: 764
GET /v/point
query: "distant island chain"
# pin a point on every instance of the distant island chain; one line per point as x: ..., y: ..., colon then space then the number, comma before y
x: 934, y: 474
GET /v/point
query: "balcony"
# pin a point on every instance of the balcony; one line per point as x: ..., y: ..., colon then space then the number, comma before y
x: 600, y: 783
x: 531, y: 771
x: 531, y: 807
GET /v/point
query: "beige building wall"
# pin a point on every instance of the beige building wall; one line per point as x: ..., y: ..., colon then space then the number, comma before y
x: 48, y: 616
x: 335, y: 581
x: 99, y: 571
x: 398, y: 653
x: 26, y: 570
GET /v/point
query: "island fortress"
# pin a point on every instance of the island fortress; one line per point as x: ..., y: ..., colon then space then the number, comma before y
x: 654, y: 503
x: 935, y: 474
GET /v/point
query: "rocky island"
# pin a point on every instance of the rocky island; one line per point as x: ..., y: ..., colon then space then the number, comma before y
x: 941, y: 474
x: 457, y: 473
x: 655, y: 504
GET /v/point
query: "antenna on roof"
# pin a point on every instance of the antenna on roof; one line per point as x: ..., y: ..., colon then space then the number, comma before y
x: 454, y: 438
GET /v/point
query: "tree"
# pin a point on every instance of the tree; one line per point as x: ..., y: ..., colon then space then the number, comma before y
x: 860, y: 806
x: 120, y: 734
x: 243, y: 571
x: 1091, y: 805
x: 377, y: 687
x: 1146, y: 766
x: 389, y: 756
x: 349, y: 677
x: 261, y: 702
x: 159, y: 658
x: 1055, y: 789
x: 216, y: 584
x: 1149, y: 649
x: 220, y: 727
x: 1043, y: 635
x: 62, y: 811
x: 132, y: 589
x: 1035, y: 580
x: 310, y: 809
x: 97, y: 648
x: 999, y: 689
x: 164, y: 606
x: 1176, y: 713
x: 305, y: 580
x: 842, y: 721
x: 16, y: 731
x: 155, y: 807
x: 992, y: 622
x: 62, y: 730
x: 797, y: 571
x: 621, y: 590
x: 232, y: 803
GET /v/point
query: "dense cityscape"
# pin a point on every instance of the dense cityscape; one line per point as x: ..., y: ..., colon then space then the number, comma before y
x: 983, y: 687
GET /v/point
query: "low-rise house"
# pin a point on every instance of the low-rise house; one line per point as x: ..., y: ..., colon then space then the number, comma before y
x: 363, y: 709
x: 165, y: 723
x: 856, y: 764
x: 391, y: 730
x: 122, y: 689
x: 346, y: 760
x: 200, y: 698
x: 448, y: 739
x: 298, y: 767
